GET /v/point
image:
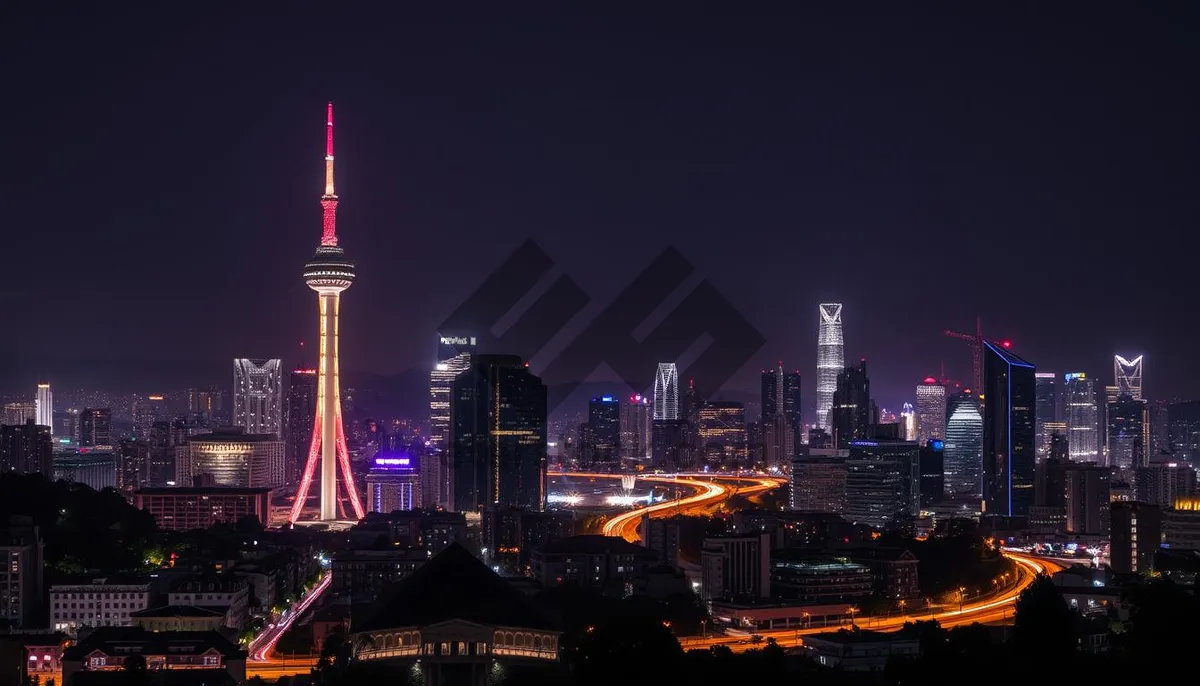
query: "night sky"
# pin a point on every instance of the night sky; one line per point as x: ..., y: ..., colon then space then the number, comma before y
x: 162, y: 174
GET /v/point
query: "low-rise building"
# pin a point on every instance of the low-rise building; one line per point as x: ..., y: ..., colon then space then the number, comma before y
x: 180, y: 618
x: 184, y: 509
x: 609, y: 564
x: 820, y: 580
x: 858, y: 650
x: 736, y: 567
x: 894, y: 570
x: 367, y: 573
x: 107, y: 649
x: 36, y: 656
x: 108, y: 601
x: 225, y: 593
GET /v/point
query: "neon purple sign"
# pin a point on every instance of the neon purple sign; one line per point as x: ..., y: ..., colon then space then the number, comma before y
x: 392, y: 461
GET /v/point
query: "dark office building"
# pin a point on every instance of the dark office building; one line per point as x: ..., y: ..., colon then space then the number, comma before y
x: 133, y: 465
x: 1008, y: 432
x: 1045, y: 410
x: 781, y: 395
x: 603, y: 444
x: 851, y: 414
x: 26, y: 449
x: 511, y: 534
x: 95, y: 427
x: 1087, y: 499
x: 1183, y: 429
x: 497, y: 435
x: 1135, y: 536
x: 933, y: 475
x: 298, y: 421
x: 671, y: 445
x: 1128, y: 432
x: 1050, y: 482
x: 883, y: 480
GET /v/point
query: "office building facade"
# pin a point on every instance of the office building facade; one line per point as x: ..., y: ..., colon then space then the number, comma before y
x: 830, y: 359
x: 931, y: 410
x: 1082, y: 417
x: 964, y: 445
x: 666, y: 392
x: 258, y: 396
x: 1009, y: 401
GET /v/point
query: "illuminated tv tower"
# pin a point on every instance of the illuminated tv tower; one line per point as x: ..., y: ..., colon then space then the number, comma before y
x: 328, y: 273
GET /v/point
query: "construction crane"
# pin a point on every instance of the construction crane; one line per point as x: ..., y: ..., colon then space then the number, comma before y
x: 976, y: 342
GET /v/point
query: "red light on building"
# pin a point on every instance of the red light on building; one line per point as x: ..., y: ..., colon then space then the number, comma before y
x: 929, y: 380
x: 1006, y: 344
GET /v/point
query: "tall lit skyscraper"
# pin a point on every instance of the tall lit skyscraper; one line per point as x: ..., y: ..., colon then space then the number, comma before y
x: 45, y: 406
x: 328, y: 273
x: 931, y: 411
x: 1009, y: 399
x: 666, y: 392
x: 830, y: 359
x: 1128, y: 433
x: 908, y: 422
x: 1083, y: 418
x: 454, y: 355
x: 1127, y: 375
x: 1046, y: 410
x: 962, y: 456
x: 258, y: 396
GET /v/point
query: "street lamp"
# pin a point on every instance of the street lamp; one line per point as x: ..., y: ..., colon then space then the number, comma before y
x: 853, y: 611
x: 902, y: 603
x: 962, y: 591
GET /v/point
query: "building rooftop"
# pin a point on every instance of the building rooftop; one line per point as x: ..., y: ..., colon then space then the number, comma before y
x: 884, y: 553
x: 231, y: 434
x: 110, y: 580
x: 453, y: 585
x: 189, y: 611
x: 201, y: 490
x: 594, y: 544
x: 135, y: 640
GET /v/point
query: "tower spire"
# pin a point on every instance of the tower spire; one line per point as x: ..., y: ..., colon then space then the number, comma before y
x: 329, y: 199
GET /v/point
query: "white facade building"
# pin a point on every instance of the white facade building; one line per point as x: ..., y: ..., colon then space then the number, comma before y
x: 258, y: 396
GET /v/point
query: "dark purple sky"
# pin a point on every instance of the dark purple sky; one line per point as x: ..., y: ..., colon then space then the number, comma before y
x: 162, y: 172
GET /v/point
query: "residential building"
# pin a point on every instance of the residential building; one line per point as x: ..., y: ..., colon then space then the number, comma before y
x: 101, y: 602
x: 608, y: 564
x: 188, y: 508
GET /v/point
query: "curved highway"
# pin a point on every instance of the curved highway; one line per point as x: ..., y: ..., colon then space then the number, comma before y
x: 994, y: 607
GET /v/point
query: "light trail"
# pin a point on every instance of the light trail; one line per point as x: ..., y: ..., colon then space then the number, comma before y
x: 260, y: 648
x: 994, y: 608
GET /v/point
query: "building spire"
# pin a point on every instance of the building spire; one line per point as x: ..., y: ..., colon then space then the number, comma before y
x: 329, y: 199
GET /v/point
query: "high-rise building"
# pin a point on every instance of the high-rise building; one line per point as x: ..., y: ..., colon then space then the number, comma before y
x: 933, y: 472
x: 1009, y: 399
x: 258, y: 396
x: 830, y: 359
x: 851, y: 415
x: 328, y: 273
x: 1164, y: 481
x: 454, y: 355
x: 497, y: 435
x: 301, y: 410
x: 45, y: 406
x: 722, y: 434
x: 1082, y: 417
x: 883, y: 482
x: 931, y: 410
x: 147, y: 409
x: 230, y: 457
x: 604, y: 431
x: 1128, y: 432
x: 21, y: 590
x: 133, y: 465
x: 19, y: 412
x: 1045, y: 411
x: 781, y: 414
x: 26, y: 449
x: 666, y: 392
x: 1183, y: 430
x: 1087, y: 499
x: 95, y: 427
x: 671, y: 445
x: 1135, y: 534
x: 908, y: 422
x: 636, y: 415
x: 819, y: 480
x: 964, y: 445
x: 1127, y: 376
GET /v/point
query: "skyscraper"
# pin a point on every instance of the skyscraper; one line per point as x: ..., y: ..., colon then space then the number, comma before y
x: 1127, y: 375
x: 931, y: 411
x: 328, y: 273
x: 301, y: 409
x: 258, y: 396
x: 497, y: 436
x: 45, y: 406
x: 830, y: 359
x: 851, y: 415
x: 1128, y: 432
x: 908, y: 422
x: 666, y: 392
x: 635, y: 428
x: 963, y: 447
x: 95, y: 427
x: 781, y: 415
x: 1083, y: 418
x: 1009, y: 398
x: 1045, y: 411
x: 604, y: 428
x: 454, y: 355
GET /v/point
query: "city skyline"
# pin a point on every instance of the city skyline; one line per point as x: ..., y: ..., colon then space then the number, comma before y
x: 410, y: 146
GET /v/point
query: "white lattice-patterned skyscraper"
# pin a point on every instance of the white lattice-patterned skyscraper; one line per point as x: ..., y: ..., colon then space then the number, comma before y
x: 830, y: 359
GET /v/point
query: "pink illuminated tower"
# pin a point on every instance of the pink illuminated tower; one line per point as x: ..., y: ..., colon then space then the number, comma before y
x: 328, y: 273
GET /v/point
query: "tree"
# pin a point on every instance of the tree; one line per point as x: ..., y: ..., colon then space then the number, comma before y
x: 606, y: 652
x: 1044, y: 627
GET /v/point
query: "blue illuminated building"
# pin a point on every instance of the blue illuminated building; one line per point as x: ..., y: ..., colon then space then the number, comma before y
x: 394, y: 482
x: 1009, y: 402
